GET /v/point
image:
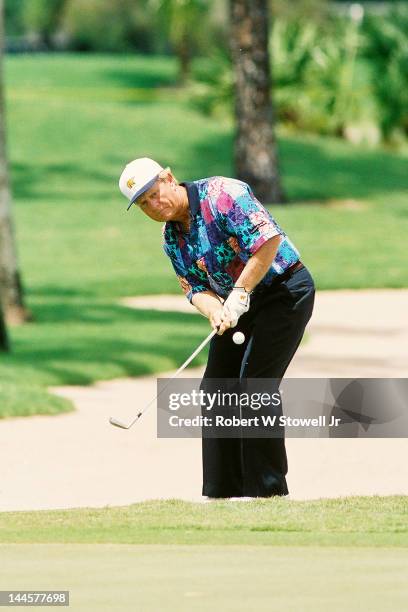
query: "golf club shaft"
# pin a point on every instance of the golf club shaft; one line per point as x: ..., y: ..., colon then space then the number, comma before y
x: 181, y: 368
x: 198, y: 349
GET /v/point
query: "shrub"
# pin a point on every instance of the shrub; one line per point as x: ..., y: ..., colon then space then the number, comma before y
x: 103, y: 25
x: 387, y: 52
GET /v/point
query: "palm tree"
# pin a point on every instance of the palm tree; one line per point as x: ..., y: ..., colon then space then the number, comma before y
x: 255, y: 149
x: 10, y: 282
x: 183, y: 22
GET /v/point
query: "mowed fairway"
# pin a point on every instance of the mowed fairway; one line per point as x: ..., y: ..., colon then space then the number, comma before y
x: 343, y: 554
x: 136, y: 577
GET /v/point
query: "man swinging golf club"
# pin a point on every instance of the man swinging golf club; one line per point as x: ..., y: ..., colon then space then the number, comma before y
x: 240, y: 270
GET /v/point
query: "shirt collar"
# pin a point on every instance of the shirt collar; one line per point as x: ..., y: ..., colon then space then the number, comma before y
x: 193, y: 197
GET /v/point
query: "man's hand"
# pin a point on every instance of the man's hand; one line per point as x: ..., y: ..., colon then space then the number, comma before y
x: 211, y: 306
x: 221, y: 315
x: 235, y: 305
x: 219, y: 319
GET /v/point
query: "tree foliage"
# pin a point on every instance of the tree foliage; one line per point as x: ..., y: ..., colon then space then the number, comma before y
x: 14, y: 16
x: 103, y: 25
x: 332, y: 74
x: 387, y: 52
x: 184, y: 24
x: 43, y: 18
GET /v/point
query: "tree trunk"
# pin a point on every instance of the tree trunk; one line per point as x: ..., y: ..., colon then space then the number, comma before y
x: 10, y: 283
x: 4, y: 343
x: 184, y: 59
x: 255, y: 149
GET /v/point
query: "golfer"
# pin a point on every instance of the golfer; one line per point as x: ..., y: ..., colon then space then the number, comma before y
x: 238, y: 268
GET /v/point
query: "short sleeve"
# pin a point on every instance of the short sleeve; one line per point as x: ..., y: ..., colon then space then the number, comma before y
x: 247, y: 220
x: 192, y: 280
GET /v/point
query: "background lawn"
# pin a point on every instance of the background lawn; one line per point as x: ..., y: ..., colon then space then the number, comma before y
x: 73, y: 123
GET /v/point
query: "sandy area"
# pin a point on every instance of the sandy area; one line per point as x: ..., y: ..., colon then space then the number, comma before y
x: 78, y: 459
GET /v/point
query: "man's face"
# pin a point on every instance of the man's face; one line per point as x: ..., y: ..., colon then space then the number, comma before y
x: 160, y: 202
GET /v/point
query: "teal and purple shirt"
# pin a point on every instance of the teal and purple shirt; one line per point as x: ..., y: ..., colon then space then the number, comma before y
x: 228, y: 225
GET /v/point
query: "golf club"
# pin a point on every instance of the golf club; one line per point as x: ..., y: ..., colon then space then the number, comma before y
x: 118, y: 423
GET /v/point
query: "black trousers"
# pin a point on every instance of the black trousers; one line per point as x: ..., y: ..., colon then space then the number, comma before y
x: 273, y: 328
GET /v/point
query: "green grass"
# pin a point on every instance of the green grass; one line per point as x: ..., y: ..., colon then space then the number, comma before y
x: 353, y: 521
x: 73, y: 122
x: 102, y: 578
x: 24, y: 399
x: 276, y: 554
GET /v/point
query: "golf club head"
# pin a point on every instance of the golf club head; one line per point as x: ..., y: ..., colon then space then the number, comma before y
x: 117, y: 423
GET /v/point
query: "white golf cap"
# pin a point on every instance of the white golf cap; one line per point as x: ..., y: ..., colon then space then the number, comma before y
x: 137, y: 177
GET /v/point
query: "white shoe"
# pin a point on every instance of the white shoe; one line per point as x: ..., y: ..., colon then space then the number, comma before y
x: 244, y: 499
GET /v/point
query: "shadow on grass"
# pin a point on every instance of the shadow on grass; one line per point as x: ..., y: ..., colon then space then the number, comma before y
x: 79, y: 343
x: 60, y: 291
x: 318, y: 170
x: 142, y: 75
x: 329, y: 169
x: 211, y: 157
x: 49, y: 181
x: 314, y: 169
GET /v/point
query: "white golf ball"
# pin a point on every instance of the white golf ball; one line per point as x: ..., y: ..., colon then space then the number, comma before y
x: 238, y: 338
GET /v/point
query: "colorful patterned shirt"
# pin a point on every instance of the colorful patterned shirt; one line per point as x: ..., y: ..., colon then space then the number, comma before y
x: 228, y: 225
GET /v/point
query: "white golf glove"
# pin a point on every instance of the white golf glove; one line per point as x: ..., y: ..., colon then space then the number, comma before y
x: 236, y: 304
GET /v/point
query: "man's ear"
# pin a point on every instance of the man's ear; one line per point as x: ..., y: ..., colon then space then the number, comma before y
x: 167, y: 176
x: 170, y: 177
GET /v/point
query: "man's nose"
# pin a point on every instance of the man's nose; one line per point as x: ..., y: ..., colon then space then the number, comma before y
x: 154, y: 202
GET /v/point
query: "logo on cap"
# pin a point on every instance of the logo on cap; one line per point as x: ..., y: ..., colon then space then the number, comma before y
x: 131, y: 183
